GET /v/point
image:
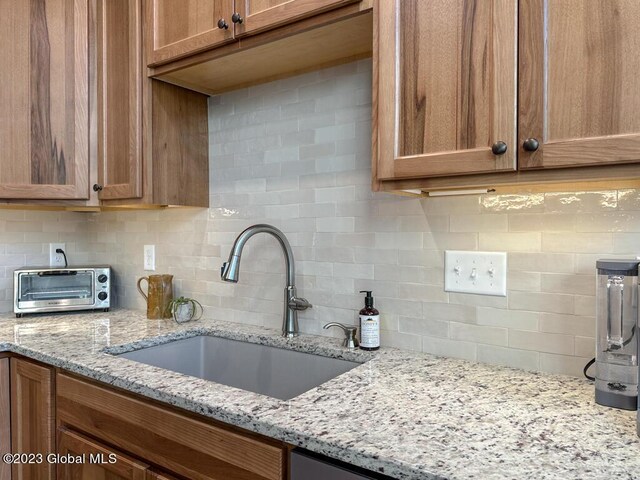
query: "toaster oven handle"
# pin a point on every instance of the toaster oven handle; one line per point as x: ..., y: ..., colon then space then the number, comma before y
x: 57, y: 272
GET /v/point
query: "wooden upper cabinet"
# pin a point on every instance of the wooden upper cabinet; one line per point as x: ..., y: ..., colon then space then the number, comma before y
x: 32, y: 417
x: 119, y: 65
x: 579, y: 82
x: 44, y: 121
x: 101, y: 462
x: 177, y: 28
x: 444, y: 87
x: 253, y: 16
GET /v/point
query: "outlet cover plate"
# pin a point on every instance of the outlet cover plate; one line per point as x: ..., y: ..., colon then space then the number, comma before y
x: 56, y: 259
x: 482, y: 273
x: 149, y: 257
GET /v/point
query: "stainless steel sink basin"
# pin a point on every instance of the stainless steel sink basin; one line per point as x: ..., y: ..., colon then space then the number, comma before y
x: 270, y: 371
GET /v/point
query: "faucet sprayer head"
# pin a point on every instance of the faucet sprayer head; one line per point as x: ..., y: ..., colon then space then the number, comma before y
x: 229, y: 271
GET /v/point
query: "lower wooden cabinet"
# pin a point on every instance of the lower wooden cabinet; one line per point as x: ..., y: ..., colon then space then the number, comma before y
x: 32, y: 417
x: 89, y: 460
x: 5, y: 418
x: 187, y: 446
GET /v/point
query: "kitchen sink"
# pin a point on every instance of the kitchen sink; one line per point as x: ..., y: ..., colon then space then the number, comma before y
x: 267, y: 370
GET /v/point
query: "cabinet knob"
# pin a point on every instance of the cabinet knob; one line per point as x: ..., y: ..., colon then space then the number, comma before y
x: 96, y: 187
x: 499, y: 148
x: 236, y: 18
x: 222, y: 24
x: 531, y: 144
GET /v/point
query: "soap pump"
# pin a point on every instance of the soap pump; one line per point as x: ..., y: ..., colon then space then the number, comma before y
x: 369, y: 324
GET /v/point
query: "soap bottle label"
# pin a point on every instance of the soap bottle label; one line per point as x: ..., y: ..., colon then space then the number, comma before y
x: 369, y: 331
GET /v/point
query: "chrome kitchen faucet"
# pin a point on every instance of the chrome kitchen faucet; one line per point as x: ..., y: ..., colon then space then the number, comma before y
x: 230, y: 269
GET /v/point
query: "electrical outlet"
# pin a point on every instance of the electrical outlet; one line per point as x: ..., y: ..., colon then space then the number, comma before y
x: 149, y: 257
x: 482, y: 273
x: 56, y: 259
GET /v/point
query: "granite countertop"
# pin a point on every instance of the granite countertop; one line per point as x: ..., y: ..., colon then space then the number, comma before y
x: 408, y: 415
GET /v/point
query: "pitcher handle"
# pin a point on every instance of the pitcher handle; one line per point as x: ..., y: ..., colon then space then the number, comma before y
x: 140, y: 289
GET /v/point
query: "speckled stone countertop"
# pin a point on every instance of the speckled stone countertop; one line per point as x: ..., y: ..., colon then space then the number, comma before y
x: 409, y: 415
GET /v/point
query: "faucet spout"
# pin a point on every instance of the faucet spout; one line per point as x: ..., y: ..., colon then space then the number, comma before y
x: 230, y: 272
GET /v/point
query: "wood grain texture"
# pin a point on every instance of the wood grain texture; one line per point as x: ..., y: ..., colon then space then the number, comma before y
x: 48, y: 164
x: 5, y: 417
x: 159, y: 476
x: 469, y: 161
x: 177, y: 28
x: 180, y: 146
x: 344, y: 13
x: 32, y: 417
x: 446, y: 81
x: 75, y: 444
x: 579, y: 82
x: 188, y: 447
x: 119, y: 41
x: 564, y: 179
x: 44, y: 123
x: 260, y: 15
x: 327, y: 45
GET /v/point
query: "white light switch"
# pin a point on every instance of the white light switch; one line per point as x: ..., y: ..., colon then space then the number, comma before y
x: 483, y: 273
x: 149, y: 257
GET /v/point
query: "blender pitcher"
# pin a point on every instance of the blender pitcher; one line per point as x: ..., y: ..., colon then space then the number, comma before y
x: 616, y: 340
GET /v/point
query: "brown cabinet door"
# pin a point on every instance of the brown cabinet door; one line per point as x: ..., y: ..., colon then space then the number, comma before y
x: 119, y: 41
x: 253, y: 16
x: 32, y: 418
x: 444, y: 87
x: 177, y: 28
x: 5, y: 418
x: 579, y: 83
x: 44, y: 121
x: 159, y: 476
x: 94, y: 461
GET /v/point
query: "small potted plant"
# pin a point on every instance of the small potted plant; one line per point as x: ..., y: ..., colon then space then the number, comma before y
x: 184, y: 309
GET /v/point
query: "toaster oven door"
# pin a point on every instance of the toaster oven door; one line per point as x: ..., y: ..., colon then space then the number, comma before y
x: 55, y: 289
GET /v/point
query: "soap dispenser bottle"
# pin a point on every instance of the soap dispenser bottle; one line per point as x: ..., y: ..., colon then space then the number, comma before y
x: 369, y: 324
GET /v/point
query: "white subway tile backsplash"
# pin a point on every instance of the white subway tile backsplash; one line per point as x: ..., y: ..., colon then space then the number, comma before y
x: 542, y: 342
x: 296, y: 153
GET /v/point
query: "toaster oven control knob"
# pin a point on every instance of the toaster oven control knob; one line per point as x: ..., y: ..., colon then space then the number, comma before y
x: 102, y: 296
x: 102, y: 278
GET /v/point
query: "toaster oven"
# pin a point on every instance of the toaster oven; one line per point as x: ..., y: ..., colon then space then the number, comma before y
x: 38, y: 290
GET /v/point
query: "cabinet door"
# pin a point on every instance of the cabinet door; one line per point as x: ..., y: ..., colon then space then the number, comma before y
x: 176, y: 28
x: 44, y: 123
x: 98, y: 462
x: 5, y: 418
x: 119, y: 39
x: 444, y: 87
x: 258, y: 15
x: 579, y: 83
x: 159, y: 476
x: 32, y: 417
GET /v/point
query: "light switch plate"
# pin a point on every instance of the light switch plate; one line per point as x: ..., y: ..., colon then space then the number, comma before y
x: 482, y: 273
x: 149, y: 257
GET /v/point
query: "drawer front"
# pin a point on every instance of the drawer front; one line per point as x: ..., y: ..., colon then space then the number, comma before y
x: 195, y: 449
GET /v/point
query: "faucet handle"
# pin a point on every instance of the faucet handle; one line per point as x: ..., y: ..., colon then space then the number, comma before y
x: 299, y: 303
x: 350, y: 340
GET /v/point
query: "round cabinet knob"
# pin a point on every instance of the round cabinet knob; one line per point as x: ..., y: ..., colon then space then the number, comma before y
x: 236, y: 18
x: 222, y: 24
x: 499, y: 148
x: 102, y: 278
x: 531, y: 144
x: 96, y: 187
x: 102, y: 296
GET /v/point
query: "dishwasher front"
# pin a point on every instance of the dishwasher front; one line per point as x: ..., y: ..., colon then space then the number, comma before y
x: 307, y: 465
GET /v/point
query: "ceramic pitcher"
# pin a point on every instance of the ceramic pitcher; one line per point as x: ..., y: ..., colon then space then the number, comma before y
x: 160, y: 293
